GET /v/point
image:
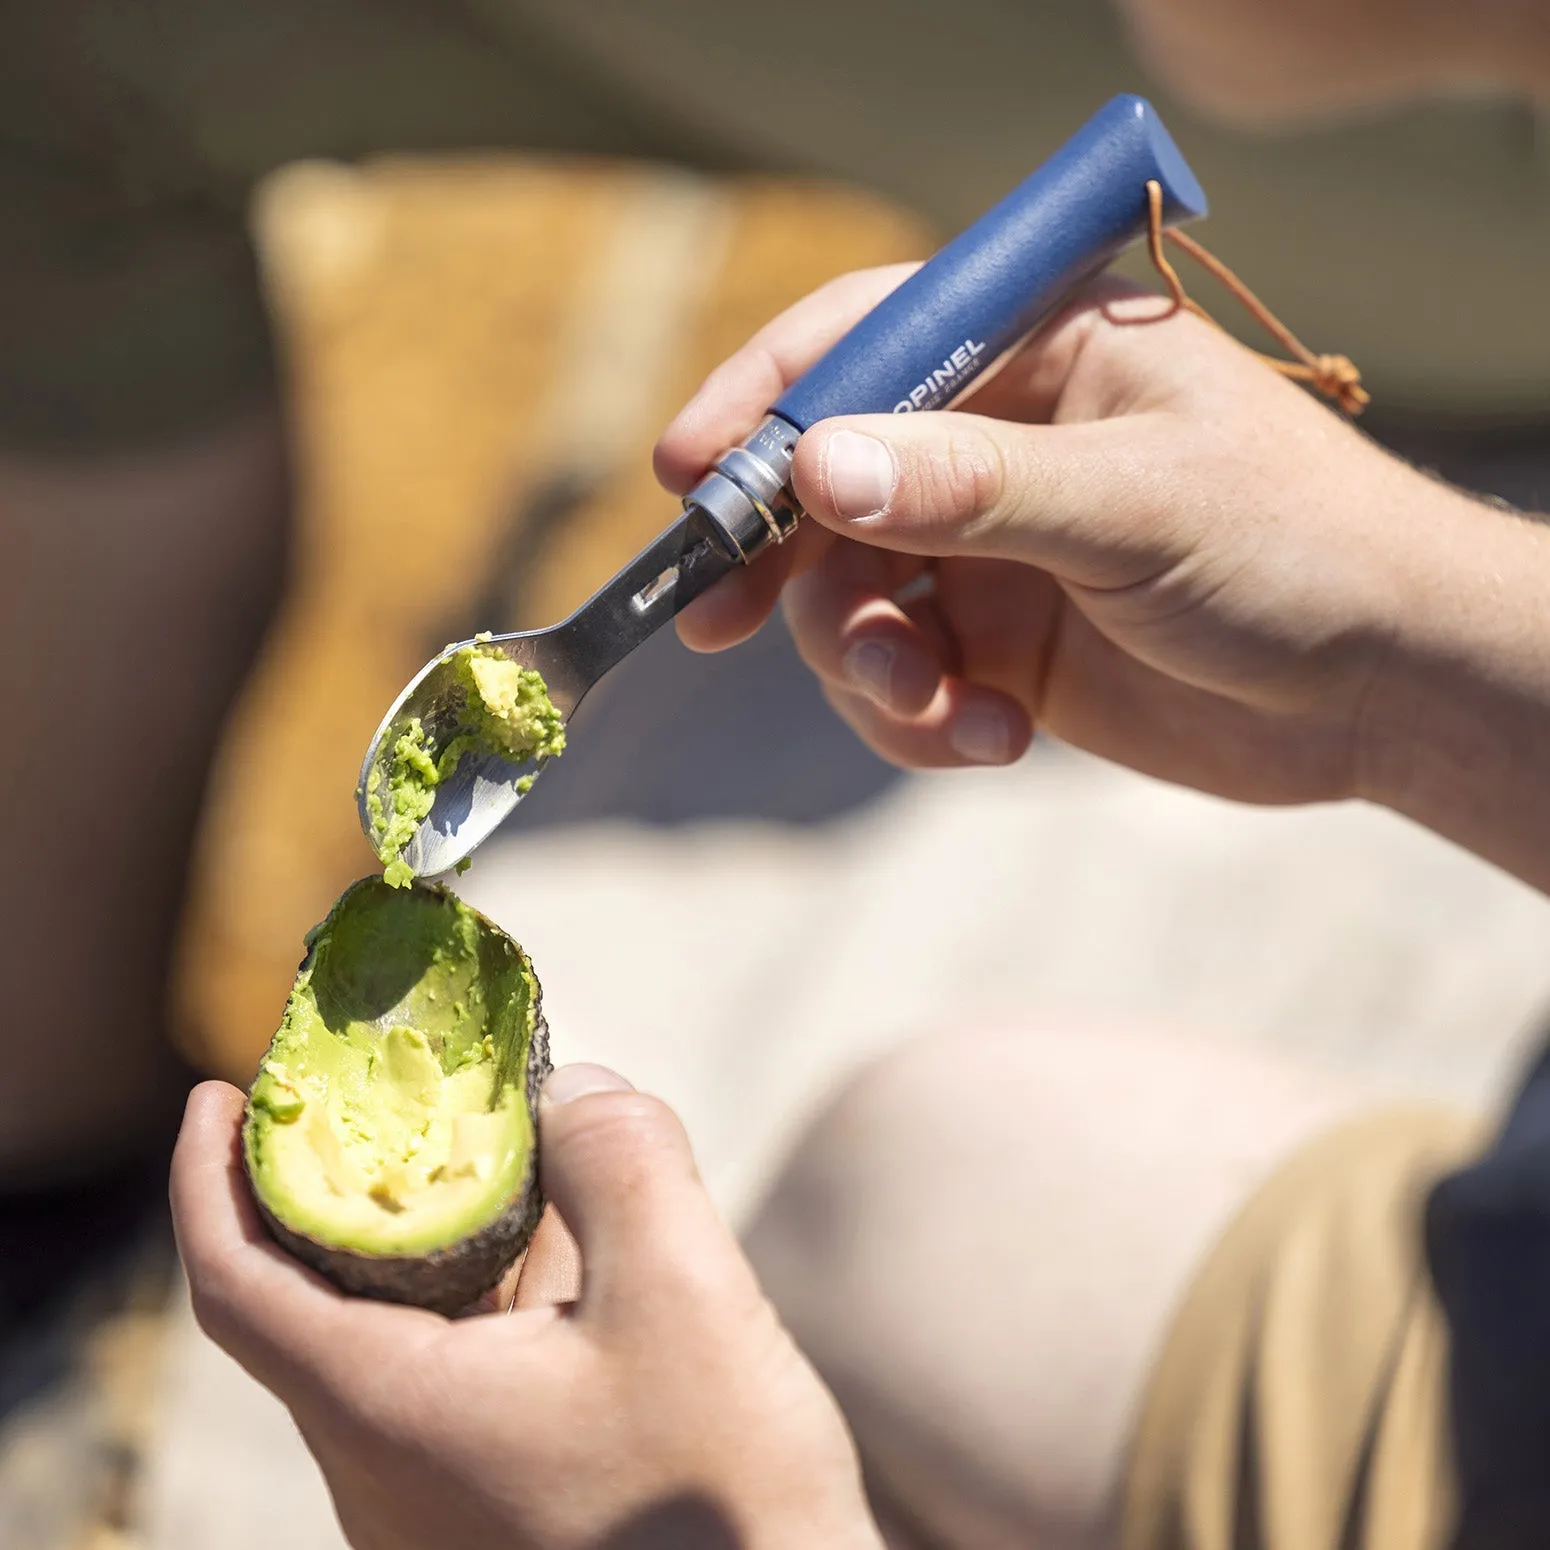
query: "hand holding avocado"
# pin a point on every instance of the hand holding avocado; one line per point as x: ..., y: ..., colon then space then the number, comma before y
x: 660, y: 1396
x: 1137, y: 536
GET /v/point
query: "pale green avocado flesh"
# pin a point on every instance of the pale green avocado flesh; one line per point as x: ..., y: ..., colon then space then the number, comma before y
x: 503, y: 709
x: 391, y: 1113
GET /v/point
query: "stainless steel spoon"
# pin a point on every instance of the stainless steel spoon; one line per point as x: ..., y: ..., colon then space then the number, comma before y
x: 572, y: 656
x: 921, y: 347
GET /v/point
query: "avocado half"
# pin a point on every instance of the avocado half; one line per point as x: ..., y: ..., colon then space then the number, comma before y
x: 390, y: 1136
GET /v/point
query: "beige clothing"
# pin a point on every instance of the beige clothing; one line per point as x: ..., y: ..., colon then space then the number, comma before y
x: 1301, y: 1400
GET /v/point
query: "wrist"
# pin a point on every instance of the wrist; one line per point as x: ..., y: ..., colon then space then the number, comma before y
x: 1455, y: 731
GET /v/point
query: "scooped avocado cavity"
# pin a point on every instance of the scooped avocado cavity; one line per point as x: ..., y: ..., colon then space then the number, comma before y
x: 502, y: 708
x: 389, y: 1134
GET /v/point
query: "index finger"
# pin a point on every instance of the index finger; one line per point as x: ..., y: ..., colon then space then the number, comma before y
x: 292, y: 1330
x: 733, y: 398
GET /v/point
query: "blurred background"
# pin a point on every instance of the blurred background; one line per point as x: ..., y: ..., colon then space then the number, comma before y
x: 482, y: 354
x: 477, y: 335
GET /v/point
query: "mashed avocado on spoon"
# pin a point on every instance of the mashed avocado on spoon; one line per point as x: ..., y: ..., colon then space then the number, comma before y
x: 500, y: 708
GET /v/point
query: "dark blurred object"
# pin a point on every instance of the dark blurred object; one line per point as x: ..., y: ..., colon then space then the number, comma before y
x: 675, y: 737
x: 1509, y: 460
x: 1488, y: 1244
x: 86, y: 1273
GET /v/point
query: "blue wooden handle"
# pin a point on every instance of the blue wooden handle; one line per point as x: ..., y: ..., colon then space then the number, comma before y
x: 924, y: 343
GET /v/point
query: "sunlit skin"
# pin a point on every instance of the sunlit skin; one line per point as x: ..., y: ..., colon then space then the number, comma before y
x: 655, y: 1394
x: 1147, y: 543
x: 1144, y: 540
x: 1140, y: 539
x: 1272, y: 63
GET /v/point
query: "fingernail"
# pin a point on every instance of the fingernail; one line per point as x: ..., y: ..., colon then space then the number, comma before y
x: 859, y: 474
x: 572, y: 1082
x: 868, y: 668
x: 981, y: 733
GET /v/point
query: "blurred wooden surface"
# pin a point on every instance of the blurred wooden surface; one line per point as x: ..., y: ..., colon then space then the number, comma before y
x: 460, y: 337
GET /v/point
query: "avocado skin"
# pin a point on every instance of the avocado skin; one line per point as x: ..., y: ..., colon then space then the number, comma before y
x: 449, y: 1280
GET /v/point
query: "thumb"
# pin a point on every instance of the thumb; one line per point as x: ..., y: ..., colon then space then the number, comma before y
x: 1078, y: 500
x: 617, y: 1165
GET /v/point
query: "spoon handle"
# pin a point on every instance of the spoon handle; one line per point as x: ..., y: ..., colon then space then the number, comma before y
x: 926, y: 342
x: 919, y: 348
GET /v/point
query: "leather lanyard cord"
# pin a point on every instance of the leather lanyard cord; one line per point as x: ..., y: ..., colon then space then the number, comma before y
x: 1335, y: 376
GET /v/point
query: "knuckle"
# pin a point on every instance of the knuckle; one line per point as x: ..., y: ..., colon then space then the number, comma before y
x: 219, y: 1296
x: 845, y: 298
x: 860, y: 288
x: 813, y: 621
x: 754, y: 371
x: 879, y: 733
x: 214, y: 1288
x: 818, y: 653
x: 844, y: 287
x: 961, y: 481
x: 633, y: 1131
